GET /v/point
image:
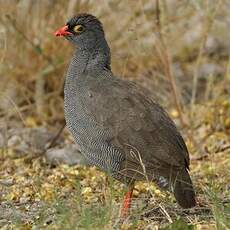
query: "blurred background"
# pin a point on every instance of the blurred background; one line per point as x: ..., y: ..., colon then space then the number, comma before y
x: 178, y: 49
x: 33, y: 61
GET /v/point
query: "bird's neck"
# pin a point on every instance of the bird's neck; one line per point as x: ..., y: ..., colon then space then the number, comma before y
x: 85, y: 61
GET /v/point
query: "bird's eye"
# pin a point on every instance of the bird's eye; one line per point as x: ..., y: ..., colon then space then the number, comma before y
x: 78, y: 29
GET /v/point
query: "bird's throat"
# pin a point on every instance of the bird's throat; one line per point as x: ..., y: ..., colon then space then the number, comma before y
x: 86, y: 61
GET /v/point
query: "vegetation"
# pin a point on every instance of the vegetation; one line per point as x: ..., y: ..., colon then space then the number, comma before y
x: 179, y: 50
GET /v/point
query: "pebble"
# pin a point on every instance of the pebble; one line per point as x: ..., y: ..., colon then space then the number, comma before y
x: 7, y: 182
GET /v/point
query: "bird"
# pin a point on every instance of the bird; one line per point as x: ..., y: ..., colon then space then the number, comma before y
x: 117, y: 125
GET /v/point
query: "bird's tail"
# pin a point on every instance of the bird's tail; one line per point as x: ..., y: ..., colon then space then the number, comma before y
x: 183, y: 190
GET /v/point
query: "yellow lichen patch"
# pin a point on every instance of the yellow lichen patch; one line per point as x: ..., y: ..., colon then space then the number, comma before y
x: 84, y: 189
x: 31, y: 122
x: 174, y: 113
x: 47, y: 192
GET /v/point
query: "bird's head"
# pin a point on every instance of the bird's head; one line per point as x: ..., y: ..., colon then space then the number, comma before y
x: 83, y: 30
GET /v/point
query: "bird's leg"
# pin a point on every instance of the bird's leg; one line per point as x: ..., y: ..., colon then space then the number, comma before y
x: 126, y: 203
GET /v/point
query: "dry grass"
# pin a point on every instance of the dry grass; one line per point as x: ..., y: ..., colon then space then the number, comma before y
x: 35, y: 62
x: 155, y: 53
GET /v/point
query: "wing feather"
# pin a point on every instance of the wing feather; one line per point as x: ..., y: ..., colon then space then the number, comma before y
x: 135, y: 123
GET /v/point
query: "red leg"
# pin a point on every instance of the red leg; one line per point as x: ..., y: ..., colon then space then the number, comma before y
x: 126, y: 204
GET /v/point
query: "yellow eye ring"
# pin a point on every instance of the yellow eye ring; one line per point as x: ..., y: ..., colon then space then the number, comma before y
x: 78, y: 29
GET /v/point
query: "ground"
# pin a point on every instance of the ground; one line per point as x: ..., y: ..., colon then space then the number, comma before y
x: 179, y: 50
x: 35, y: 195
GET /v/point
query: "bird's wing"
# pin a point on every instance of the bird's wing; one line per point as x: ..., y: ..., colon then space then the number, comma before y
x: 136, y: 124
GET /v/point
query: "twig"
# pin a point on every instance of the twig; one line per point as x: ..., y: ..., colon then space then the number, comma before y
x: 222, y: 149
x: 50, y: 145
x: 37, y: 48
x: 40, y: 82
x: 206, y: 155
x: 54, y: 140
x: 207, y: 28
x: 165, y: 59
x: 11, y: 112
x: 4, y: 49
x: 16, y: 108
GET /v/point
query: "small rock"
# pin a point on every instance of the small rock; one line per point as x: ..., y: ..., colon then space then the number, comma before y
x: 208, y: 69
x: 14, y: 141
x: 212, y: 45
x: 24, y: 200
x: 38, y: 138
x: 70, y: 155
x: 7, y: 182
x: 29, y: 140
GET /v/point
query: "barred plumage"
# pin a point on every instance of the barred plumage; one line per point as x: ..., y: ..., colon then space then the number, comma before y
x: 117, y: 126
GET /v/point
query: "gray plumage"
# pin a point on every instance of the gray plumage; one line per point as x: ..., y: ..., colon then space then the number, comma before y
x: 117, y: 126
